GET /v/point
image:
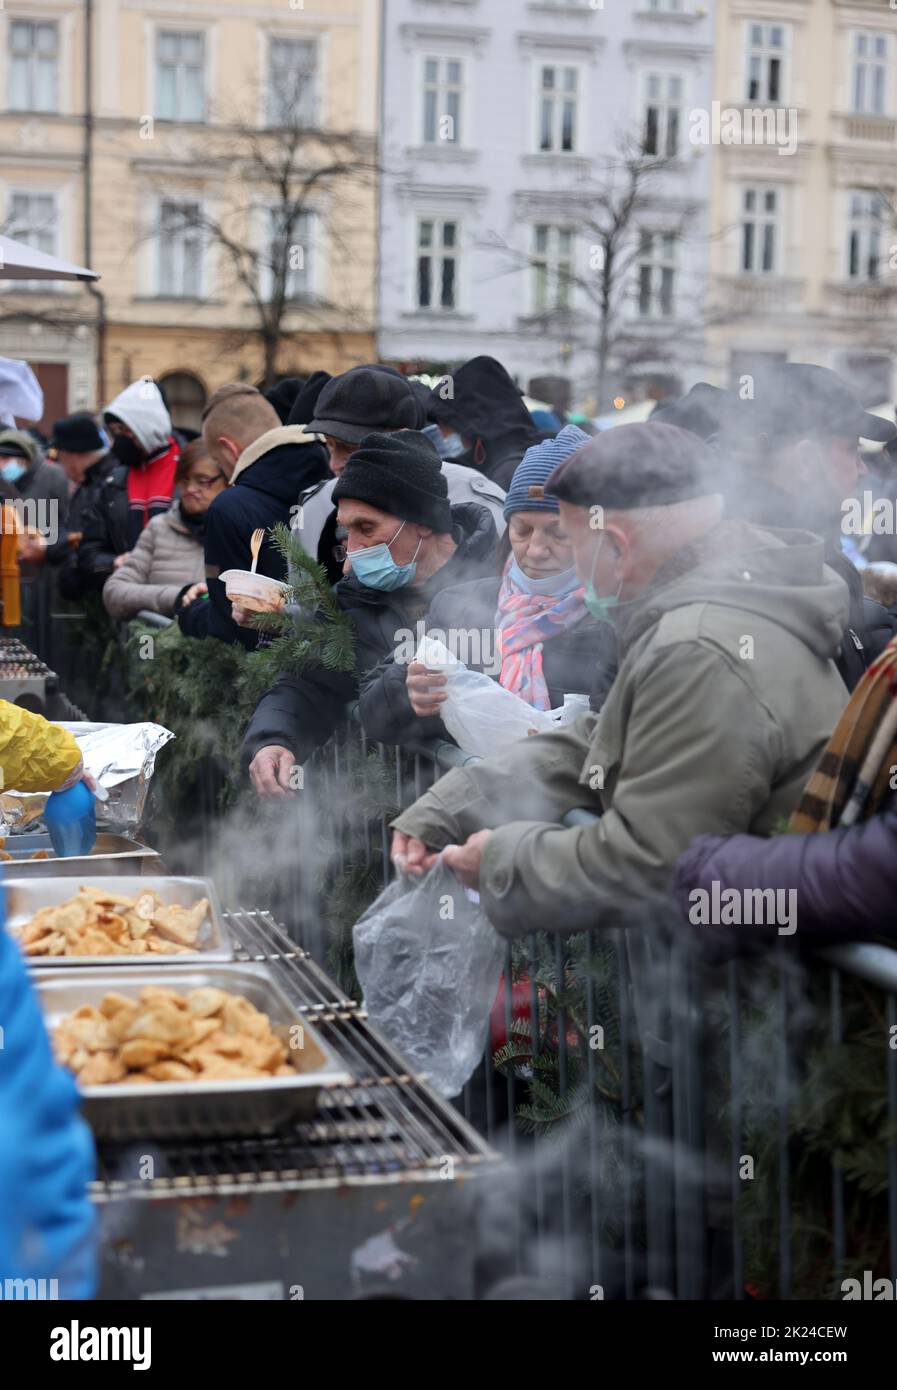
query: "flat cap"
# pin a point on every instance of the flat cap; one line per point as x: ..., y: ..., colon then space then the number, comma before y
x: 630, y: 467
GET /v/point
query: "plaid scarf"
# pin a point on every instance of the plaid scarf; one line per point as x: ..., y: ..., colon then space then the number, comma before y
x: 524, y: 622
x: 853, y: 777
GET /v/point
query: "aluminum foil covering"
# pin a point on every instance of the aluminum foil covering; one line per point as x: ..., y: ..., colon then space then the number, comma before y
x: 122, y: 757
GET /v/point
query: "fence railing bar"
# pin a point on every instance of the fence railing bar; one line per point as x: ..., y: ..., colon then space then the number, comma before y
x: 782, y: 1114
x: 891, y: 1064
x: 838, y: 1223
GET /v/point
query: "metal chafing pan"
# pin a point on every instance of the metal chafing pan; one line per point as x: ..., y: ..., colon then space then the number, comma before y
x: 24, y: 896
x: 112, y: 854
x: 201, y: 1109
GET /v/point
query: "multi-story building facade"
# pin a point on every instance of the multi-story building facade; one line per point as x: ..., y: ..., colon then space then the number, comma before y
x: 501, y: 122
x: 805, y: 217
x: 149, y: 141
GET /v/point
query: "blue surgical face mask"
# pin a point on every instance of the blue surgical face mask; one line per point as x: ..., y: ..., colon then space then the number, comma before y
x: 13, y: 469
x: 599, y: 605
x: 452, y: 446
x: 376, y: 569
x: 553, y: 585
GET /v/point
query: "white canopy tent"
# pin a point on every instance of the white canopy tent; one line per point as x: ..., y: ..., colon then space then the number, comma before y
x: 19, y: 262
x: 20, y: 391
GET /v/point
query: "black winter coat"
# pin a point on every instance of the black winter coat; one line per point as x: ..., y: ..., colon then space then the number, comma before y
x: 105, y: 526
x: 486, y: 407
x: 71, y: 581
x: 870, y: 626
x: 261, y: 495
x: 301, y: 712
x: 582, y: 660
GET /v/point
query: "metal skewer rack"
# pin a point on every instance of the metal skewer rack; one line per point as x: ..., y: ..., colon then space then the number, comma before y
x: 371, y: 1198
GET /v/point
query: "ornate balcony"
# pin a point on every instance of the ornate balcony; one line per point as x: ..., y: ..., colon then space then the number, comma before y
x: 757, y: 294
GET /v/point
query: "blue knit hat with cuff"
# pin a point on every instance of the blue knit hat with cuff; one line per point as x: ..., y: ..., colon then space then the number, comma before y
x: 527, y: 490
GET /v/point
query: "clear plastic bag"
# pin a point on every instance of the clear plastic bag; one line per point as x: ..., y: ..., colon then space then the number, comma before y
x: 481, y: 716
x: 429, y: 963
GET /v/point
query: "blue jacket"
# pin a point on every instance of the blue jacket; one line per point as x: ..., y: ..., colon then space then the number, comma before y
x: 47, y: 1223
x: 264, y: 490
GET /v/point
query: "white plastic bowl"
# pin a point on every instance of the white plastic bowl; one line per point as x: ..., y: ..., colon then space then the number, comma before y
x: 257, y: 592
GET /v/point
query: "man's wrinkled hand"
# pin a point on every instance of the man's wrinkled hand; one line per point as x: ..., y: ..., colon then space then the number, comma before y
x: 270, y: 771
x: 411, y: 856
x: 464, y: 860
x: 424, y: 689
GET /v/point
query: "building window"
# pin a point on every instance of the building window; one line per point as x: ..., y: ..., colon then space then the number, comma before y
x: 34, y: 220
x: 558, y: 108
x: 865, y: 235
x: 663, y: 102
x: 552, y: 269
x: 443, y: 80
x: 766, y: 45
x: 185, y: 397
x: 291, y: 251
x: 437, y: 264
x: 180, y: 76
x: 292, y: 82
x: 656, y: 275
x: 33, y: 66
x: 869, y: 73
x: 180, y: 250
x: 759, y: 228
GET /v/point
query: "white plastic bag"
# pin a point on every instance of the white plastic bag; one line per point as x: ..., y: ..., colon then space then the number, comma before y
x: 481, y: 716
x: 429, y: 963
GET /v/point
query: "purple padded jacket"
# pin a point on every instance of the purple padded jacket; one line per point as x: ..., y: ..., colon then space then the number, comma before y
x: 845, y: 879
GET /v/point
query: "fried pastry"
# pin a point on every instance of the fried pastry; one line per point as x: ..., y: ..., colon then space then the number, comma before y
x: 98, y: 922
x: 206, y: 1034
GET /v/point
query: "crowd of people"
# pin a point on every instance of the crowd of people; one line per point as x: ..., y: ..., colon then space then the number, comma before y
x: 686, y: 578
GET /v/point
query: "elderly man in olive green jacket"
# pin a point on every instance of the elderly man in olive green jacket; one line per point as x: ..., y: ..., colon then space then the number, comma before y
x: 726, y: 693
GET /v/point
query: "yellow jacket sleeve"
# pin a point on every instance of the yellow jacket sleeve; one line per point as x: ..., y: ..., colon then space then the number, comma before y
x: 35, y: 755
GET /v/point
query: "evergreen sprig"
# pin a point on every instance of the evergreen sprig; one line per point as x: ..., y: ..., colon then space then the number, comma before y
x: 322, y: 634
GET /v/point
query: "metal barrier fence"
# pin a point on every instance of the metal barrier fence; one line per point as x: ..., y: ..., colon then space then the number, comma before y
x: 653, y: 1111
x: 658, y: 1114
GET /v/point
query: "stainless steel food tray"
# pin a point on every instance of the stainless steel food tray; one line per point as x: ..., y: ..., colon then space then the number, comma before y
x: 201, y: 1109
x: 25, y: 895
x: 112, y: 854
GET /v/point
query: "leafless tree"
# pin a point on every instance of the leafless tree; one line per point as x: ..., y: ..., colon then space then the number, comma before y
x: 275, y: 175
x: 610, y: 213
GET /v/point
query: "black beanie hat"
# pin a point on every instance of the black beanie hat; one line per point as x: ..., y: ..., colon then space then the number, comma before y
x: 284, y: 394
x: 78, y: 434
x: 400, y: 474
x: 303, y: 407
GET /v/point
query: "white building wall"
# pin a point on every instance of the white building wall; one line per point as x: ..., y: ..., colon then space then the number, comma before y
x: 496, y: 184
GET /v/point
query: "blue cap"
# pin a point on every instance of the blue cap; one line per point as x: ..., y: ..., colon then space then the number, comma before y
x: 527, y: 490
